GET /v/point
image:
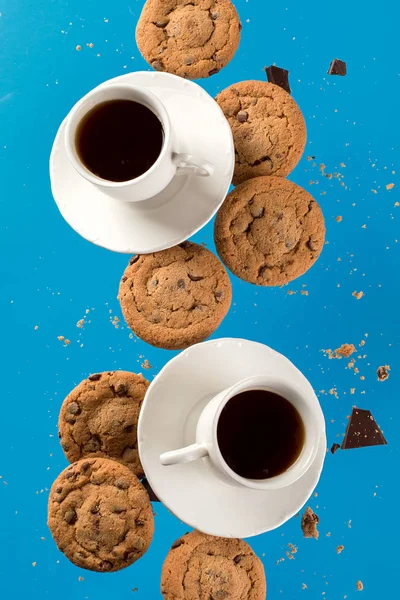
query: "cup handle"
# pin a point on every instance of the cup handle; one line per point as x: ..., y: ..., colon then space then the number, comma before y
x: 183, y: 455
x: 188, y: 164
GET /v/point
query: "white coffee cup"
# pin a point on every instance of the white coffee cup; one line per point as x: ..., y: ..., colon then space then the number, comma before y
x: 206, y: 446
x: 169, y: 163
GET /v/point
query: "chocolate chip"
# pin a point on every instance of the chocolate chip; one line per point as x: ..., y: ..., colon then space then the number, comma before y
x: 198, y: 307
x: 95, y: 377
x: 94, y: 509
x: 238, y: 558
x: 189, y: 60
x: 70, y: 473
x: 70, y: 517
x: 154, y: 282
x: 85, y: 466
x: 121, y: 484
x: 181, y: 284
x: 106, y: 565
x: 158, y: 65
x: 214, y: 71
x: 122, y: 389
x: 177, y: 544
x: 337, y: 67
x: 335, y: 448
x: 118, y: 509
x: 128, y: 429
x: 73, y: 408
x: 124, y: 279
x: 184, y: 245
x: 70, y: 419
x: 195, y: 277
x: 139, y: 522
x: 134, y: 259
x: 279, y: 77
x: 242, y: 116
x: 218, y: 295
x: 58, y: 490
x: 93, y: 445
x: 257, y: 212
x: 312, y: 245
x: 290, y: 244
x: 162, y: 23
x: 155, y: 319
x: 214, y: 15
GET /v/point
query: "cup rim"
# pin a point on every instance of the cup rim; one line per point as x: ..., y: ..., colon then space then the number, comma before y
x: 305, y: 458
x: 73, y: 122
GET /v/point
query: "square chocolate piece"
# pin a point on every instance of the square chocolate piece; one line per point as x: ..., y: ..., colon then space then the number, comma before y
x: 279, y: 77
x: 337, y: 67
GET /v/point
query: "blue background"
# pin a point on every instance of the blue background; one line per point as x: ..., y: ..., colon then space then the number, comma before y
x: 50, y: 277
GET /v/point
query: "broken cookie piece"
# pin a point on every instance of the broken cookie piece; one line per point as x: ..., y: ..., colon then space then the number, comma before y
x: 309, y: 522
x: 383, y: 373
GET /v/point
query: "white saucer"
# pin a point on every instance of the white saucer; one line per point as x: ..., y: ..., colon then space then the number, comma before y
x: 184, y: 207
x: 193, y: 491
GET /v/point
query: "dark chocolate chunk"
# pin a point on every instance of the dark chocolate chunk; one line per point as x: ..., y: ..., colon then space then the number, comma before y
x: 279, y: 77
x: 213, y: 71
x: 335, y: 448
x: 134, y: 259
x: 73, y: 408
x: 149, y: 490
x: 195, y: 277
x: 177, y: 543
x: 242, y: 116
x: 362, y: 431
x: 95, y: 377
x: 337, y: 67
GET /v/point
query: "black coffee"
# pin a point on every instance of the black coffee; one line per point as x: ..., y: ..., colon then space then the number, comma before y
x: 119, y: 140
x: 260, y: 434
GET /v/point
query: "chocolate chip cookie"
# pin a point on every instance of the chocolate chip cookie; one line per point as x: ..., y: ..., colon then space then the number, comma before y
x: 190, y: 38
x: 99, y: 418
x: 100, y: 515
x: 175, y: 298
x: 268, y: 129
x: 203, y: 566
x: 269, y: 231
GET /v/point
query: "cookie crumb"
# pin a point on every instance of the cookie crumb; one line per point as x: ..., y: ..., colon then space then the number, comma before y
x: 309, y: 522
x: 34, y: 564
x: 383, y: 373
x: 390, y: 186
x: 80, y: 323
x: 79, y: 48
x: 303, y: 586
x: 60, y: 337
x: 345, y: 350
x: 359, y: 586
x: 36, y: 327
x: 358, y: 295
x: 145, y: 364
x: 339, y: 219
x: 340, y: 549
x: 81, y: 578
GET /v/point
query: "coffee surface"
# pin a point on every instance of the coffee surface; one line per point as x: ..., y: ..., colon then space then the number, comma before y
x: 260, y: 434
x: 119, y: 140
